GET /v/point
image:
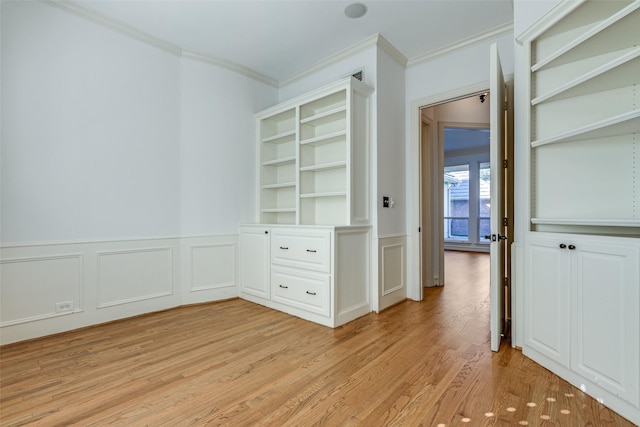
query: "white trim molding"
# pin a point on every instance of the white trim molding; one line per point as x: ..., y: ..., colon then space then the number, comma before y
x: 394, y: 265
x: 208, y: 59
x: 53, y: 287
x: 129, y: 31
x: 49, y: 277
x: 488, y: 35
x: 361, y: 46
x: 214, y: 269
x: 124, y: 29
x: 373, y: 40
x: 556, y: 13
x: 137, y: 275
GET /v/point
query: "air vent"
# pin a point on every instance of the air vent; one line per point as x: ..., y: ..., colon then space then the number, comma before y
x: 358, y: 75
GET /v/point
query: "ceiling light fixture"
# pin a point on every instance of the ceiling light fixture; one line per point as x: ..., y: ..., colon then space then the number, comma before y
x: 355, y: 10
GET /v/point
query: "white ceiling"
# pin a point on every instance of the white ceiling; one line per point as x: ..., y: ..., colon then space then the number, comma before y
x: 279, y: 38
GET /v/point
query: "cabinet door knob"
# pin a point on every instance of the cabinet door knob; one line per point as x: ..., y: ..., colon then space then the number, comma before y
x: 572, y: 247
x: 284, y: 286
x: 284, y: 248
x: 312, y: 250
x: 311, y: 293
x: 563, y: 246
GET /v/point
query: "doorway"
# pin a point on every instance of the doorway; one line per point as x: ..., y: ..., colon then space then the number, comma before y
x: 453, y: 173
x: 428, y: 226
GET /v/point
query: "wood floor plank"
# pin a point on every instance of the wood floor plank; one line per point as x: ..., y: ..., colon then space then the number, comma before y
x: 241, y: 364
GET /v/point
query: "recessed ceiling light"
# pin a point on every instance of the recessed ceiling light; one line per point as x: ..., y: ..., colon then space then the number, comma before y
x: 355, y: 10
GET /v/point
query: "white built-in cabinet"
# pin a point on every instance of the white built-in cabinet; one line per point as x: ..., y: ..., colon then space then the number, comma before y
x: 308, y: 253
x: 318, y: 273
x: 314, y: 157
x: 581, y: 295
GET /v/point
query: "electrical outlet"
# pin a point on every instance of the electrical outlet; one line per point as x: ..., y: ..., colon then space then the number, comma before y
x: 64, y: 306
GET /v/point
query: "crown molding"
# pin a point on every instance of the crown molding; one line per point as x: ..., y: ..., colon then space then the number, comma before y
x: 135, y: 34
x: 484, y: 36
x: 373, y: 40
x: 391, y: 50
x: 111, y: 24
x: 350, y: 51
x: 207, y: 59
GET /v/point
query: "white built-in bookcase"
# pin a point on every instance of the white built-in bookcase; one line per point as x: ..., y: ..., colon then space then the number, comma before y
x: 314, y: 157
x: 581, y: 282
x: 585, y: 120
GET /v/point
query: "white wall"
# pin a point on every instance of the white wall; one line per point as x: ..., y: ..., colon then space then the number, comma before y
x: 461, y: 68
x: 390, y: 162
x: 527, y: 12
x: 90, y: 130
x: 217, y: 147
x: 125, y: 172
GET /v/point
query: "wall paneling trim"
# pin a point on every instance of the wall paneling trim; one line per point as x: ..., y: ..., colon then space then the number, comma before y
x: 49, y: 288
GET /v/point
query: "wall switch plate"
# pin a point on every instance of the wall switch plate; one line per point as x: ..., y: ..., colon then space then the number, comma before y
x: 64, y: 307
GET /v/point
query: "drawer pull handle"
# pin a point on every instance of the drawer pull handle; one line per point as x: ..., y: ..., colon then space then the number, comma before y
x: 572, y: 247
x: 284, y: 248
x: 284, y: 286
x: 312, y: 250
x: 563, y: 246
x: 311, y: 293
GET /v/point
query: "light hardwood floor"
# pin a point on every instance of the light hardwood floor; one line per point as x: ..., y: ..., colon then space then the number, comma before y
x: 236, y: 363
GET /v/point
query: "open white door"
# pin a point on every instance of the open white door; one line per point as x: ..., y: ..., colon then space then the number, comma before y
x: 497, y: 245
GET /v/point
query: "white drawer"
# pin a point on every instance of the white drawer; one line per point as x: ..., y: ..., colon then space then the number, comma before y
x: 306, y: 291
x: 309, y: 249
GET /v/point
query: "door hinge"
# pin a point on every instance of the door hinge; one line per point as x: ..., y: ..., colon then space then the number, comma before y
x: 505, y: 221
x: 505, y: 163
x: 419, y: 229
x: 505, y: 281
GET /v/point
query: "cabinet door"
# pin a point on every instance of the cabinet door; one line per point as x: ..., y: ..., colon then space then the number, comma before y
x: 605, y: 317
x: 255, y: 261
x: 547, y: 300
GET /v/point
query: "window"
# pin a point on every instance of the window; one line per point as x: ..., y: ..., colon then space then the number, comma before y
x: 484, y: 202
x: 467, y: 203
x: 456, y: 203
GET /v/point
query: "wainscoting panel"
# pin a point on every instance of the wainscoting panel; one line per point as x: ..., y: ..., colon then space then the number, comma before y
x: 212, y: 266
x: 32, y: 286
x: 209, y: 268
x: 131, y: 275
x: 392, y: 287
x: 54, y: 287
x: 392, y: 262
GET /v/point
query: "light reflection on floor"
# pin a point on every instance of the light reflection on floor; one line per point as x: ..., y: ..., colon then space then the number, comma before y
x: 511, y: 409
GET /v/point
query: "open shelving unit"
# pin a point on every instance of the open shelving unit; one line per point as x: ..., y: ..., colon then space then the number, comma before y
x: 314, y: 157
x: 585, y: 122
x: 278, y: 160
